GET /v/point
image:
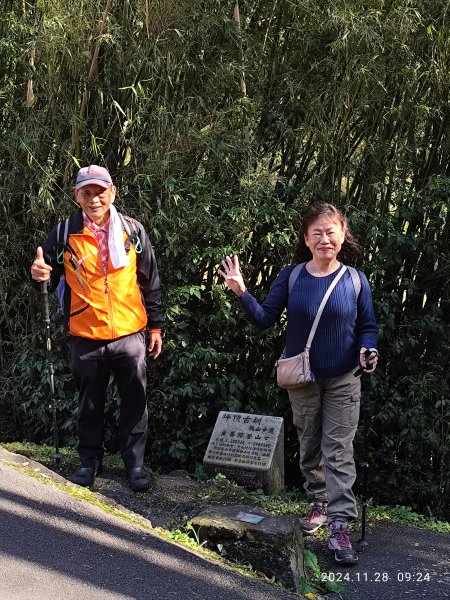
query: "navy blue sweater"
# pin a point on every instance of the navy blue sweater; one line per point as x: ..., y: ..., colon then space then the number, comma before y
x: 343, y: 328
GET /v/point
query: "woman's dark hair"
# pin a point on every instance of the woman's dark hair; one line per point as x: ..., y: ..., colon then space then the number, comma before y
x: 350, y: 248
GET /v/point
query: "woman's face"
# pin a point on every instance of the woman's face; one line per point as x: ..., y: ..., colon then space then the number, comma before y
x: 324, y: 238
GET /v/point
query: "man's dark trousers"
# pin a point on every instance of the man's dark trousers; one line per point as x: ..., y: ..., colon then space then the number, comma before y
x: 91, y: 363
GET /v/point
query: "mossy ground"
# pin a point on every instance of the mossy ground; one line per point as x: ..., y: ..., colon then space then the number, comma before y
x: 221, y: 490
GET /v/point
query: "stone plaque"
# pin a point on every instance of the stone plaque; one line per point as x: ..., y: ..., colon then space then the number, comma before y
x: 249, y: 449
x: 248, y: 518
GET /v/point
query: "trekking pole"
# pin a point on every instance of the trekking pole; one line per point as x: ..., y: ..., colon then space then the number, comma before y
x: 44, y: 292
x: 366, y: 389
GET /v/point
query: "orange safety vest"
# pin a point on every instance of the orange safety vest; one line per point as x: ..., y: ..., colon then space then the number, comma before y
x: 102, y: 307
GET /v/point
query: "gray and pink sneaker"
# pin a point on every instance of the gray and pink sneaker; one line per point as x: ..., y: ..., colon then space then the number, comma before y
x: 315, y: 518
x: 339, y: 542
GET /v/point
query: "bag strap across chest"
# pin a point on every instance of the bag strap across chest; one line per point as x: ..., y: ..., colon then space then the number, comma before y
x: 334, y: 283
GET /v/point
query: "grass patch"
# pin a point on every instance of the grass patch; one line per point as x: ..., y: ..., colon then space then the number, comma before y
x: 404, y: 515
x: 41, y: 454
x: 44, y: 455
x: 292, y: 502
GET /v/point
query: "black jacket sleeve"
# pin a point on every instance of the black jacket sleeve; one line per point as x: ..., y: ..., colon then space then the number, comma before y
x: 148, y: 280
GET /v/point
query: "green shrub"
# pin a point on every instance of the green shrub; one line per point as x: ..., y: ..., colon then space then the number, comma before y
x: 345, y: 102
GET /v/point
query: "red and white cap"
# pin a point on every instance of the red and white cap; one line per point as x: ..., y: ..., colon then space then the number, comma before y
x: 94, y: 175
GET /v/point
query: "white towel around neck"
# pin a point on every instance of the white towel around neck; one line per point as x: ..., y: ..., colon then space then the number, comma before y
x: 119, y: 257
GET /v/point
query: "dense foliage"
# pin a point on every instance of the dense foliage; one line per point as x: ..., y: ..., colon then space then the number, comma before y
x: 345, y: 101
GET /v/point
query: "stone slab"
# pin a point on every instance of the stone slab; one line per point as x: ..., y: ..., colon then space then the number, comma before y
x: 274, y: 546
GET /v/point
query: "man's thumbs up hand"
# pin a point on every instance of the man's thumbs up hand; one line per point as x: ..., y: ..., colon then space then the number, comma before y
x: 40, y: 271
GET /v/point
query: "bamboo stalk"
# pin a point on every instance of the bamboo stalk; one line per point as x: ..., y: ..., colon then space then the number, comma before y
x: 237, y: 18
x: 147, y: 19
x: 30, y: 93
x: 93, y: 72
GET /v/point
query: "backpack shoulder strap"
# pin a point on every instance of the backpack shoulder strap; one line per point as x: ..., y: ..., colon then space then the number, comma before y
x: 62, y: 233
x: 130, y: 228
x: 356, y: 281
x: 294, y: 275
x: 292, y: 279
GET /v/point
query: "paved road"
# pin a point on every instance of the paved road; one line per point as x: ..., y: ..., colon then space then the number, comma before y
x: 400, y: 562
x: 55, y: 547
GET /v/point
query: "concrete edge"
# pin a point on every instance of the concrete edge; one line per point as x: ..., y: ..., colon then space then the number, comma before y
x: 23, y: 462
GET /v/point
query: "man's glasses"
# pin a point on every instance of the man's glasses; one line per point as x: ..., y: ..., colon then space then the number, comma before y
x: 89, y: 194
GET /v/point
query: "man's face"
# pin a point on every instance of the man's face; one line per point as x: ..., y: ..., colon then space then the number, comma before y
x: 95, y: 201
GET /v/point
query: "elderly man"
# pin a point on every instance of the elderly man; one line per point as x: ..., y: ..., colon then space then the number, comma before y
x: 112, y: 306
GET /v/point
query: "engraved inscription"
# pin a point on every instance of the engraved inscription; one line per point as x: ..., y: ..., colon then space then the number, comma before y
x: 244, y: 440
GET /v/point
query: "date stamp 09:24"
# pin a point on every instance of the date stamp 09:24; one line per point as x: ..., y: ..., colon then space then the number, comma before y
x: 377, y: 577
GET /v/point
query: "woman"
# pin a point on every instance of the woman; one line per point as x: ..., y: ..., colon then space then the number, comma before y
x: 325, y: 411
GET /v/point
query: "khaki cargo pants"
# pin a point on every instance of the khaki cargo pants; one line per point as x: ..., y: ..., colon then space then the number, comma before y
x: 326, y: 414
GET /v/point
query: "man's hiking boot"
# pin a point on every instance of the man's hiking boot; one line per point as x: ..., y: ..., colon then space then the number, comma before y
x: 339, y: 542
x: 315, y: 518
x: 138, y: 479
x: 85, y: 475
